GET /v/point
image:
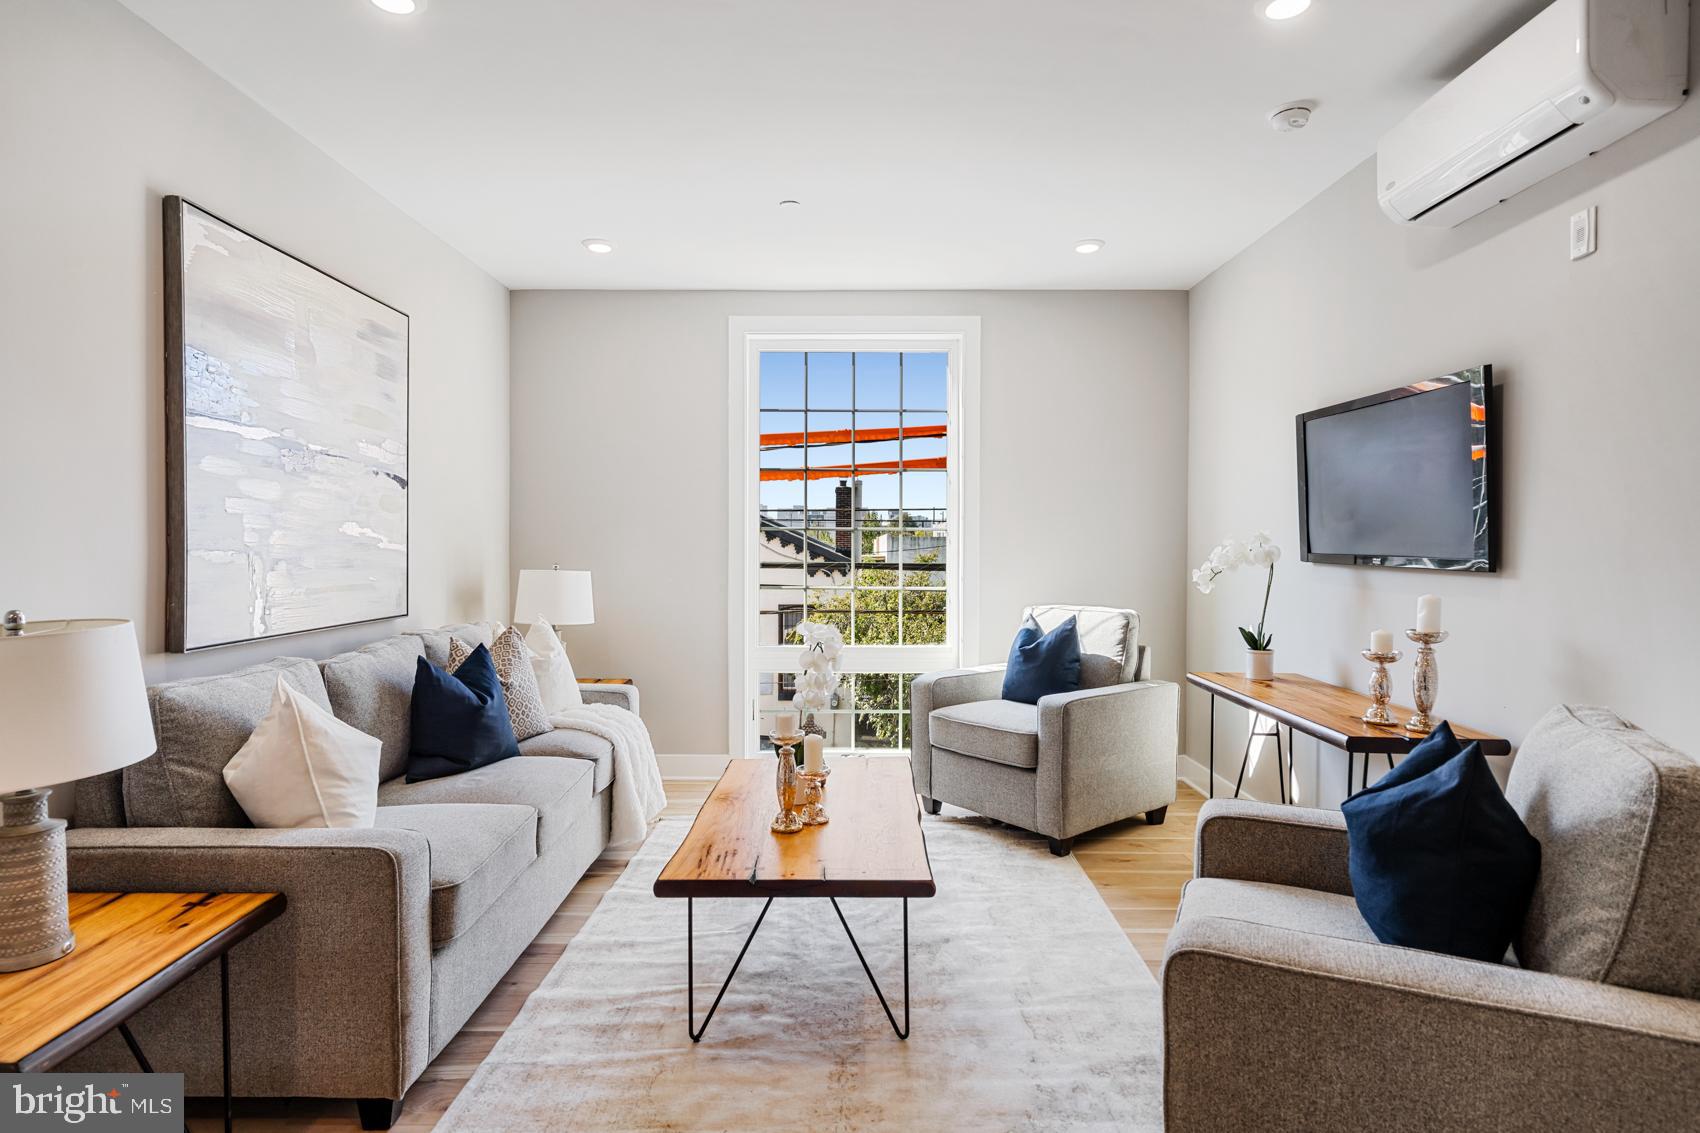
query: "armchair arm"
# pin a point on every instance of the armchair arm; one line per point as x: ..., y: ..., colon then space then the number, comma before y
x: 1282, y: 845
x: 1106, y: 753
x: 1278, y: 1029
x: 940, y: 690
x: 625, y: 696
x: 333, y: 997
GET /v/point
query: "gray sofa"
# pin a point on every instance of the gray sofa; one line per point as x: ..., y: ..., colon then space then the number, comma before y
x: 1283, y: 1012
x: 393, y: 935
x: 1071, y: 763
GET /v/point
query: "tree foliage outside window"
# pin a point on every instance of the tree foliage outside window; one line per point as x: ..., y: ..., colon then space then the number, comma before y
x: 882, y: 699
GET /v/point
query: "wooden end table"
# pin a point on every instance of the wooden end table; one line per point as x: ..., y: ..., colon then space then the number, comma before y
x: 871, y: 847
x: 606, y: 681
x: 131, y: 949
x: 1325, y: 712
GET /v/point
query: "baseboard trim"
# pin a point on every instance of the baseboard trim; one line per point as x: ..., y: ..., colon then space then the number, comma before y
x: 692, y: 766
x: 1195, y: 774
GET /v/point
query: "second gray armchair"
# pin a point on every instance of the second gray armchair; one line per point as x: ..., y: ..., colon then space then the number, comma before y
x: 1071, y: 763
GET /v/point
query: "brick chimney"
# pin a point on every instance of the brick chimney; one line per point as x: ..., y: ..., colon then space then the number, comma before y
x: 844, y: 504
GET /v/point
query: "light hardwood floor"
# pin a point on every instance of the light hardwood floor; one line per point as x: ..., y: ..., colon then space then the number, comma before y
x: 1138, y: 869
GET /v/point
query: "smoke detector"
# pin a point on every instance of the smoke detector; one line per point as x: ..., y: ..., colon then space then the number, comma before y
x: 1291, y: 118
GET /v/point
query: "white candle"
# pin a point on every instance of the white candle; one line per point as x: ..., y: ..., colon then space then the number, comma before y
x: 784, y: 724
x: 1380, y: 641
x: 814, y: 753
x: 1428, y: 614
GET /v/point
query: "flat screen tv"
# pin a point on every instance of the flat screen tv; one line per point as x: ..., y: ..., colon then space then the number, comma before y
x: 1402, y: 478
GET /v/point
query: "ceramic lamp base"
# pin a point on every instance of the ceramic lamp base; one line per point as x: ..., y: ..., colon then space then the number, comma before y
x: 35, y: 921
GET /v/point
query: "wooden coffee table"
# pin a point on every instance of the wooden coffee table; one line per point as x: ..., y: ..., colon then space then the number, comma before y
x: 871, y: 847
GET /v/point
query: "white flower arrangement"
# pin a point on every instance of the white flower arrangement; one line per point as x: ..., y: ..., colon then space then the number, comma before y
x: 1261, y: 551
x: 818, y: 679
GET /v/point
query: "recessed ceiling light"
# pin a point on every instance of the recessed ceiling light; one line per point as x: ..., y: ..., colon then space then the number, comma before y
x: 599, y: 247
x: 1276, y: 9
x: 790, y: 204
x: 1087, y: 247
x: 397, y: 7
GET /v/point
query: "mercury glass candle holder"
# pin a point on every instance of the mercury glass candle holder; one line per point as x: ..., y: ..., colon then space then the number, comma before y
x: 814, y: 790
x: 1380, y: 687
x: 788, y: 785
x: 1425, y: 679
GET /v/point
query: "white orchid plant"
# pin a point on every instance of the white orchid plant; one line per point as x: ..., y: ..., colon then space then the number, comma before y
x: 1259, y: 551
x: 818, y: 680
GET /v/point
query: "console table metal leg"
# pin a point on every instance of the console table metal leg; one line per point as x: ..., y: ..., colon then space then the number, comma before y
x: 1212, y: 784
x: 224, y: 1019
x: 695, y: 1031
x: 903, y: 1031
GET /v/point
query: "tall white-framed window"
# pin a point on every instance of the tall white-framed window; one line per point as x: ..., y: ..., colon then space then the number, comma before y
x: 852, y: 485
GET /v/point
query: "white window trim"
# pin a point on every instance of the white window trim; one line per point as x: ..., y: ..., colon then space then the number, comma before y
x: 746, y: 336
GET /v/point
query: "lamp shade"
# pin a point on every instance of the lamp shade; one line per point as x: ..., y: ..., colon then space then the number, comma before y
x: 72, y: 702
x: 559, y: 597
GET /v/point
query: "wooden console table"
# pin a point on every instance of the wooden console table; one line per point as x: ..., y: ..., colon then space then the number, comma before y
x: 1324, y: 712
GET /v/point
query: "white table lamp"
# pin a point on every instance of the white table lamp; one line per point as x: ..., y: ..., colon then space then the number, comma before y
x: 559, y: 597
x: 72, y: 704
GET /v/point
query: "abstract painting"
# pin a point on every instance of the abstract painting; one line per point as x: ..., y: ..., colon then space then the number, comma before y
x: 286, y: 412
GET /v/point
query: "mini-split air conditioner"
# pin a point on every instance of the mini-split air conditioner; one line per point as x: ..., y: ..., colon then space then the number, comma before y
x: 1568, y: 83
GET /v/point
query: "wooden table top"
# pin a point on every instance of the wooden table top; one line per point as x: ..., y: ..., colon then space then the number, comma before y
x: 1330, y: 713
x: 131, y: 948
x: 872, y: 847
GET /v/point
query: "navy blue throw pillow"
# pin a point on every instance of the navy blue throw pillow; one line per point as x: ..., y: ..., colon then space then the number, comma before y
x: 460, y: 719
x: 1439, y: 859
x: 1042, y: 663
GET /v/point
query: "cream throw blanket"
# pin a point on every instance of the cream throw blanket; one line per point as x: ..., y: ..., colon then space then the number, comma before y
x: 638, y: 795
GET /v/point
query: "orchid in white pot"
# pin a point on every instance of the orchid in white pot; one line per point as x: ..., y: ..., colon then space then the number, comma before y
x: 818, y: 678
x: 1259, y: 551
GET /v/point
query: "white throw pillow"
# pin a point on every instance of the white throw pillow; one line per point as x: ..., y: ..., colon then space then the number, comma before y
x: 555, y: 678
x: 303, y: 767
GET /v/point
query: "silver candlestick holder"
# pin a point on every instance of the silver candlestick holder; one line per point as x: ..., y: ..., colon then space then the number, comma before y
x: 1380, y: 687
x: 1425, y: 679
x: 788, y: 786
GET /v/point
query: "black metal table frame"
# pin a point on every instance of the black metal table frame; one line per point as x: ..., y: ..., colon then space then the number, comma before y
x: 697, y: 1032
x: 1351, y: 756
x: 115, y: 1016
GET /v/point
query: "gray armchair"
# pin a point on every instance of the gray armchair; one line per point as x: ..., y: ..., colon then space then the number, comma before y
x: 1071, y: 763
x: 1281, y: 1010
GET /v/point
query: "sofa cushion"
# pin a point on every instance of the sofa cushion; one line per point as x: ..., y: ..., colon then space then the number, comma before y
x: 1618, y: 816
x: 436, y: 641
x: 558, y: 789
x: 1109, y: 641
x: 200, y: 724
x: 1276, y: 906
x: 574, y: 744
x: 1004, y: 731
x: 372, y: 690
x: 477, y: 851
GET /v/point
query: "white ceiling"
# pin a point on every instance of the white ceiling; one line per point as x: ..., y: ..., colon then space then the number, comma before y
x: 932, y: 143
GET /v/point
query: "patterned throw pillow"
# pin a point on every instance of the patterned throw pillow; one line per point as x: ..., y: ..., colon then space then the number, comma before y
x: 519, y: 683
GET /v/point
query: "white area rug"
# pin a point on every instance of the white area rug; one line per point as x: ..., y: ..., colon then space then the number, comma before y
x: 1031, y: 1010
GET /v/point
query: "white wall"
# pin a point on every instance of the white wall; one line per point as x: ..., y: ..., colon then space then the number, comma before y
x: 1598, y: 363
x: 620, y: 449
x: 102, y: 117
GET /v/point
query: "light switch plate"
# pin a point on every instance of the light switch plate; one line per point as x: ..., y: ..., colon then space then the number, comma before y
x: 1583, y: 237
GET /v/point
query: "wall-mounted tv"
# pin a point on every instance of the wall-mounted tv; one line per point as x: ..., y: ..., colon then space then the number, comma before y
x: 1402, y: 478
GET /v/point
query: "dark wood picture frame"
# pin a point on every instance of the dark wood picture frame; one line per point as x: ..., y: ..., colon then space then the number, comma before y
x: 176, y: 482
